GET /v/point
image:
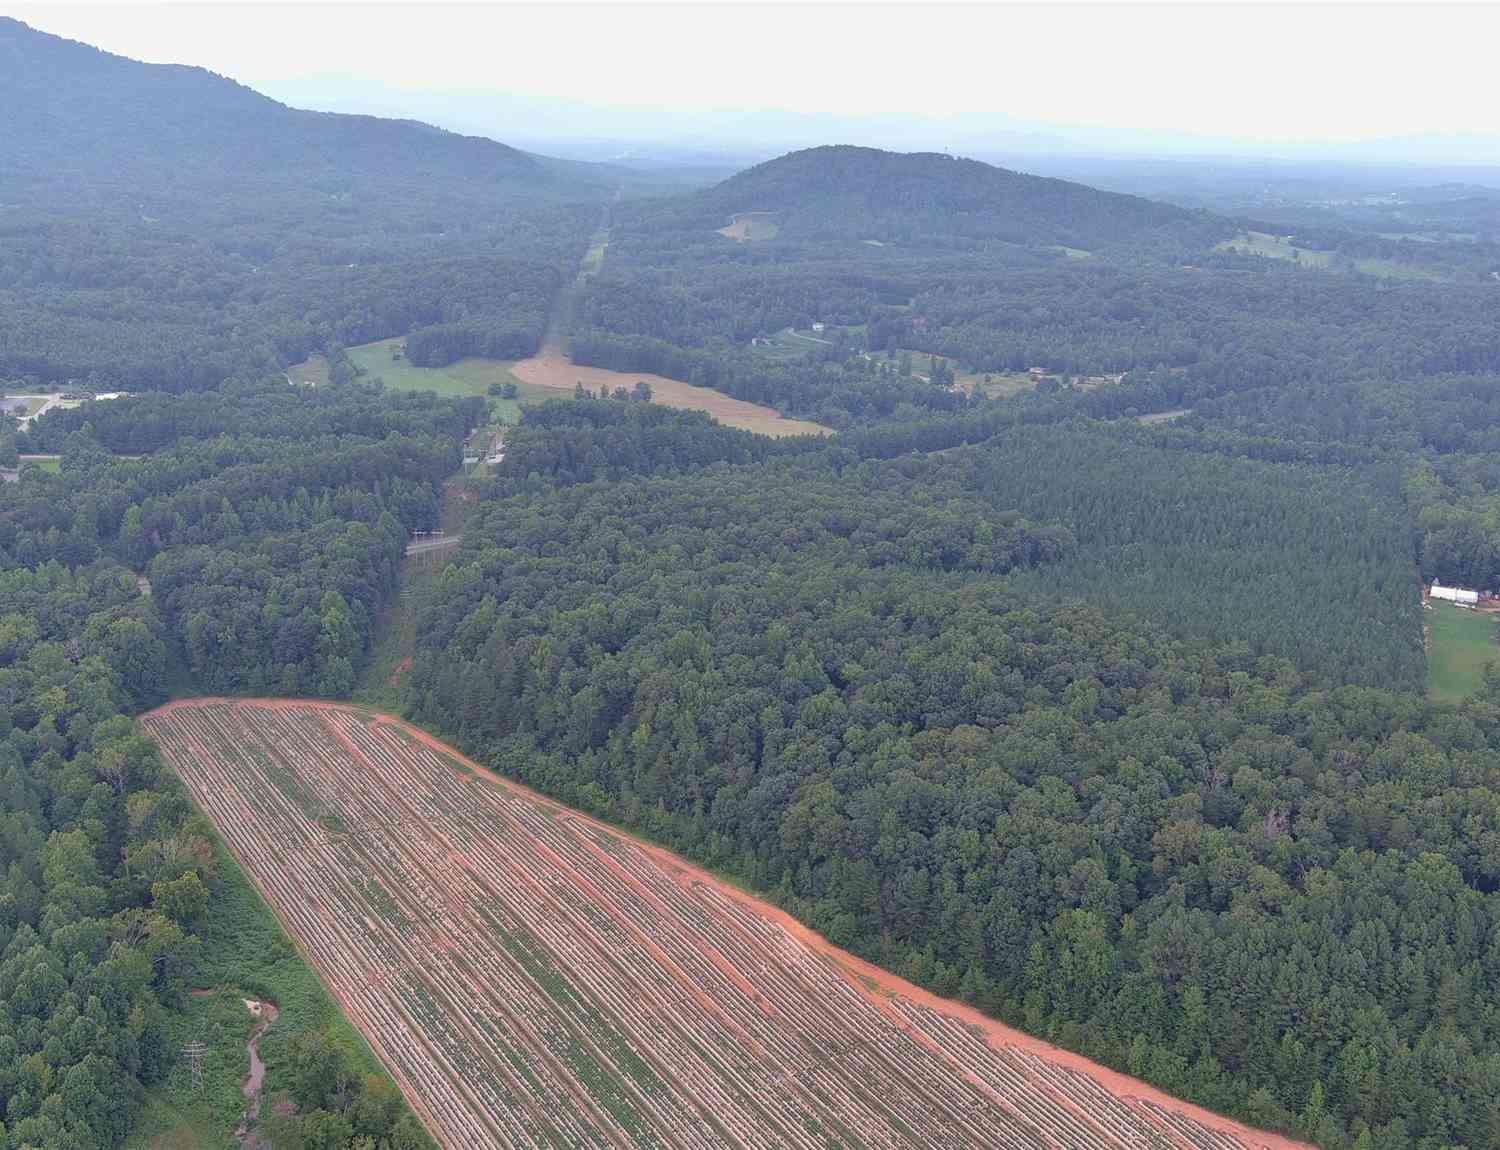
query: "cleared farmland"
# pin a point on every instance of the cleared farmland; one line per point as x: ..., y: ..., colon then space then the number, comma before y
x: 553, y: 370
x: 534, y: 978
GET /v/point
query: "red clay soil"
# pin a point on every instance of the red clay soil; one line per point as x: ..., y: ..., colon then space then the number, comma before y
x: 878, y: 987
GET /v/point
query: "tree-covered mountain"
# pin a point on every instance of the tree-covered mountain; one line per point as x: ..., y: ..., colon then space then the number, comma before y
x: 167, y: 227
x: 1001, y: 272
x: 864, y: 194
x: 74, y: 113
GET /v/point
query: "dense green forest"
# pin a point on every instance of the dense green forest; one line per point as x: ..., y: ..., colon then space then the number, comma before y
x: 1146, y: 833
x: 1115, y: 729
x: 249, y: 552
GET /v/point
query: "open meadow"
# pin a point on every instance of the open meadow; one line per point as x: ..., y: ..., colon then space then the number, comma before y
x: 1461, y: 643
x: 1281, y: 248
x: 531, y: 977
x: 469, y: 376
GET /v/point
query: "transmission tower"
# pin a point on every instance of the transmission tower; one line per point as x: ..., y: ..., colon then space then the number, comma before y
x: 194, y: 1052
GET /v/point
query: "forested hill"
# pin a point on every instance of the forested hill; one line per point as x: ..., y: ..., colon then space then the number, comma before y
x: 75, y: 113
x: 865, y: 194
x: 166, y: 228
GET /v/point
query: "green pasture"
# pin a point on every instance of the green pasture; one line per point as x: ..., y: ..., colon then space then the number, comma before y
x: 471, y: 376
x: 1275, y: 248
x: 1460, y: 644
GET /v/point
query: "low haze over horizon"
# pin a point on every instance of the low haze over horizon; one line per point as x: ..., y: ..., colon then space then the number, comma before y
x: 1196, y: 79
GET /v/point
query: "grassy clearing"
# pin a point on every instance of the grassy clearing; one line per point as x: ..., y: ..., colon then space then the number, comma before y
x: 313, y: 370
x: 788, y: 345
x: 593, y: 259
x: 1281, y: 248
x: 396, y: 628
x: 471, y: 376
x: 1461, y: 643
x: 29, y: 405
x: 396, y: 632
x: 1274, y: 248
x: 994, y: 384
x: 1432, y: 237
x: 48, y: 463
x: 793, y: 345
x: 1392, y: 270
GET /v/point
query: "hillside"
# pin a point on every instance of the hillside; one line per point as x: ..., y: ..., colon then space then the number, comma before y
x: 167, y: 227
x: 864, y: 194
x: 75, y: 112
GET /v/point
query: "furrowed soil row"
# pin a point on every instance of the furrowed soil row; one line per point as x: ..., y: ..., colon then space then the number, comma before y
x: 532, y: 978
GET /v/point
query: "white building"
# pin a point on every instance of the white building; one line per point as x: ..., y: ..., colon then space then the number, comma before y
x: 1453, y: 594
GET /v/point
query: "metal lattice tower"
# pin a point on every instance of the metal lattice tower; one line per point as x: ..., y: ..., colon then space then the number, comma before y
x: 194, y: 1052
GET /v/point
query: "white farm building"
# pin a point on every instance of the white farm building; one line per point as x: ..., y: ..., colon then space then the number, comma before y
x: 1453, y: 594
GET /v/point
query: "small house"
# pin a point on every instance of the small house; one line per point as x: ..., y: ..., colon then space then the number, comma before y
x: 818, y: 327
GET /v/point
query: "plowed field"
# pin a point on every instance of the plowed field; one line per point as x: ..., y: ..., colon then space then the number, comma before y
x: 534, y: 978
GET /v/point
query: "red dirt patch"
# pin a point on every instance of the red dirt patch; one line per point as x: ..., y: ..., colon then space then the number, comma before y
x: 552, y: 369
x: 498, y: 908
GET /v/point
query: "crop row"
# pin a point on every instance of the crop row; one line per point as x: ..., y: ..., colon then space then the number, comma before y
x: 534, y: 979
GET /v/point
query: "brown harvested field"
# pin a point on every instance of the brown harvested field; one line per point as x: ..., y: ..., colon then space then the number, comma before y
x: 552, y: 369
x: 532, y: 977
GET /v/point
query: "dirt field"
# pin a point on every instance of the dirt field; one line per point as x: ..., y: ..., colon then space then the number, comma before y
x: 747, y: 227
x: 552, y: 369
x: 532, y: 977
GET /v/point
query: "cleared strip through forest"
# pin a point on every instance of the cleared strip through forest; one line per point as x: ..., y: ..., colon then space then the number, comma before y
x: 532, y: 977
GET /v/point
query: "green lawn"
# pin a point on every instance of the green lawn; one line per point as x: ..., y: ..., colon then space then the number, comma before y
x: 1280, y: 248
x: 1392, y: 270
x: 1461, y: 643
x: 1274, y: 247
x: 313, y: 370
x: 471, y: 376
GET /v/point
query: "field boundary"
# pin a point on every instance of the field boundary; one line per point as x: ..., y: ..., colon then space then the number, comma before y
x: 880, y: 988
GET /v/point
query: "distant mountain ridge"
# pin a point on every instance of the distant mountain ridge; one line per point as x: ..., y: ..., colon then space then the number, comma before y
x: 849, y: 192
x: 166, y: 227
x: 69, y: 109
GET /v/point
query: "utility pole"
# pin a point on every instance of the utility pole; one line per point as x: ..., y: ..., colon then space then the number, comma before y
x: 194, y: 1052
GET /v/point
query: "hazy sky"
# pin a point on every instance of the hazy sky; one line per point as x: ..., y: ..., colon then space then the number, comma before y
x: 1281, y: 71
